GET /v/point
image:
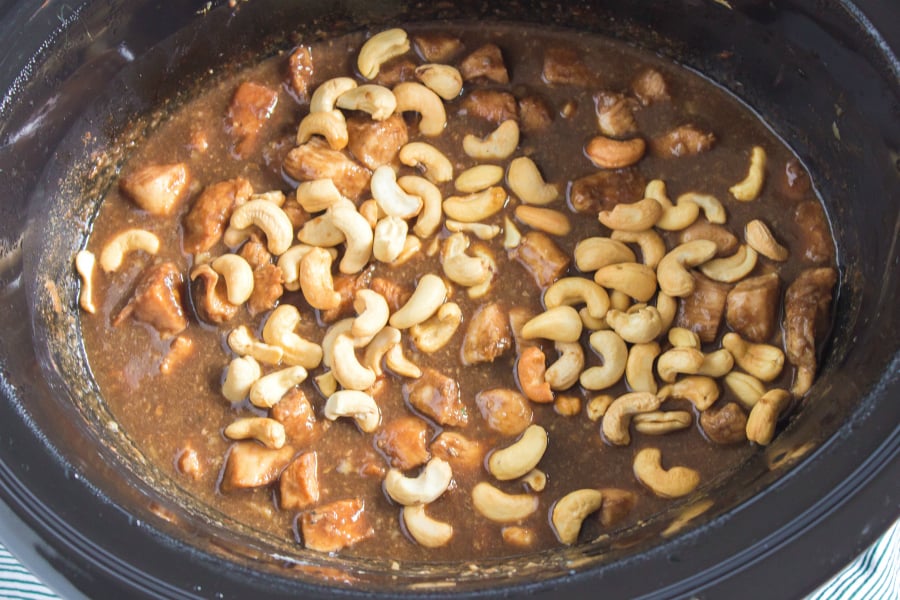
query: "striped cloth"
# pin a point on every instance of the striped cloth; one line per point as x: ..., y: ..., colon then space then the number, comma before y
x: 875, y: 575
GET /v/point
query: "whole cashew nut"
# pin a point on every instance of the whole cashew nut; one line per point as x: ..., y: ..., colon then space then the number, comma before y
x: 612, y: 348
x: 386, y: 339
x: 526, y: 182
x: 702, y: 391
x: 760, y: 360
x: 571, y: 510
x: 639, y: 367
x: 673, y: 218
x: 678, y: 360
x: 560, y: 324
x: 443, y: 80
x: 618, y: 415
x: 279, y: 331
x: 348, y: 371
x: 712, y: 208
x: 667, y: 306
x: 653, y: 248
x: 637, y: 216
x: 594, y: 253
x: 273, y: 221
x: 731, y: 268
x: 390, y: 196
x: 521, y: 456
x: 746, y: 388
x: 238, y: 277
x: 476, y: 207
x: 482, y: 231
x: 321, y: 232
x: 575, y: 290
x: 478, y: 178
x: 436, y: 165
x: 760, y: 238
x: 661, y: 422
x: 267, y: 431
x: 127, y: 241
x: 497, y: 145
x: 429, y: 219
x: 501, y: 507
x: 379, y: 49
x: 242, y: 342
x: 530, y: 372
x: 717, y: 363
x: 289, y: 263
x: 564, y: 373
x: 764, y: 416
x: 683, y: 338
x: 326, y: 95
x: 672, y: 274
x: 330, y: 125
x: 240, y: 376
x: 430, y: 293
x: 316, y: 281
x: 416, y: 97
x: 435, y: 332
x: 547, y: 220
x: 317, y: 195
x: 609, y: 153
x: 389, y: 239
x: 634, y: 279
x: 638, y: 325
x: 674, y: 483
x: 399, y: 364
x: 268, y: 390
x: 84, y: 264
x: 458, y: 266
x: 360, y: 406
x: 376, y: 100
x: 749, y: 188
x: 358, y: 234
x: 427, y: 532
x: 426, y: 487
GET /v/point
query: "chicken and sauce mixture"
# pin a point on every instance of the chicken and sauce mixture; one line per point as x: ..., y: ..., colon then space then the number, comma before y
x: 446, y: 294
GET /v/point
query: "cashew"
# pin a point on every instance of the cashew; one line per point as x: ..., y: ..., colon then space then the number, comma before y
x: 412, y: 247
x: 598, y: 405
x: 712, y: 208
x: 673, y: 218
x: 639, y: 325
x: 273, y: 221
x: 560, y: 324
x: 662, y: 422
x: 242, y: 342
x: 678, y: 360
x: 379, y: 49
x: 238, y: 277
x: 760, y: 238
x: 666, y: 305
x: 674, y: 483
x: 637, y: 216
x: 653, y: 248
x: 564, y: 373
x: 747, y: 389
x: 571, y: 510
x: 430, y: 293
x: 353, y: 403
x: 84, y: 264
x: 618, y: 415
x: 390, y: 196
x: 268, y: 390
x: 520, y: 457
x: 500, y: 507
x: 702, y: 391
x: 594, y: 253
x: 683, y: 338
x: 321, y: 232
x: 512, y: 237
x: 376, y: 100
x: 435, y: 332
x: 608, y: 153
x: 399, y: 364
x: 530, y: 370
x: 241, y: 374
x: 497, y: 145
x: 372, y: 213
x: 326, y: 383
x: 478, y: 178
x: 279, y: 331
x: 521, y: 537
x: 427, y: 532
x: 326, y: 95
x: 535, y: 479
x: 480, y: 290
x: 633, y: 279
x: 426, y: 487
x: 612, y: 349
x: 526, y: 182
x: 436, y: 165
x: 482, y: 231
x: 672, y: 274
x: 475, y: 207
x: 443, y: 80
x: 386, y: 339
x: 567, y: 405
x: 267, y: 431
x: 429, y: 219
x: 639, y: 367
x: 764, y: 416
x: 731, y: 268
x: 389, y: 239
x: 289, y: 263
x: 416, y: 97
x: 330, y: 125
x: 358, y: 234
x: 619, y: 300
x: 317, y: 195
x: 575, y: 290
x: 373, y: 312
x: 749, y: 188
x: 127, y: 241
x: 760, y: 360
x: 348, y: 371
x: 545, y: 219
x: 316, y: 281
x: 717, y: 363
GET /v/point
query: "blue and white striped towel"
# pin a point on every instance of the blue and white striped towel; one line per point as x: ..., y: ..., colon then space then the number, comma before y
x: 875, y: 575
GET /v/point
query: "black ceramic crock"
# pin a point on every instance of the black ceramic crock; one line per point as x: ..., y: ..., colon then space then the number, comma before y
x: 83, y: 510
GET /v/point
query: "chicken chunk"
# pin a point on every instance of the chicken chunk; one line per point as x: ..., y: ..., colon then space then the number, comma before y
x: 158, y: 189
x: 752, y: 307
x: 685, y: 140
x: 298, y: 485
x: 487, y: 335
x: 316, y: 160
x: 255, y: 253
x: 650, y: 86
x: 794, y: 182
x: 268, y: 287
x: 205, y: 223
x: 544, y: 260
x: 616, y: 505
x: 437, y: 47
x: 725, y: 425
x: 251, y: 107
x: 295, y: 412
x: 806, y: 307
x: 702, y: 311
x: 563, y: 66
x: 157, y: 301
x: 462, y: 453
x: 615, y: 114
x: 335, y: 526
x: 506, y: 411
x: 396, y: 70
x: 181, y: 348
x: 210, y: 296
x: 535, y: 114
x: 187, y: 462
x: 301, y: 70
x: 811, y: 229
x: 437, y: 397
x: 491, y: 105
x: 605, y: 189
x: 486, y: 62
x: 404, y: 442
x: 250, y: 465
x: 395, y: 293
x: 376, y: 143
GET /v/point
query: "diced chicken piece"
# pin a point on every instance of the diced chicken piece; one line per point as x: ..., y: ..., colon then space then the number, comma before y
x: 650, y: 86
x: 487, y: 334
x: 794, y: 182
x: 206, y: 221
x: 563, y: 66
x: 437, y: 47
x: 251, y: 107
x: 296, y: 214
x: 752, y: 307
x: 210, y: 296
x: 685, y: 140
x: 486, y: 62
x: 157, y: 300
x: 702, y: 311
x: 315, y: 160
x: 491, y: 105
x: 376, y: 143
x: 437, y: 396
x: 724, y: 425
x: 298, y: 485
x: 811, y: 229
x: 396, y: 70
x: 616, y: 506
x: 535, y: 114
x: 404, y: 442
x: 615, y: 114
x: 179, y: 351
x: 395, y: 293
x: 462, y: 453
x: 541, y: 257
x: 347, y: 286
x: 726, y: 242
x: 268, y: 287
x: 806, y: 306
x: 187, y: 461
x: 295, y: 412
x: 335, y: 526
x: 605, y: 189
x: 506, y: 411
x: 250, y: 465
x: 255, y: 252
x: 301, y: 70
x: 158, y: 189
